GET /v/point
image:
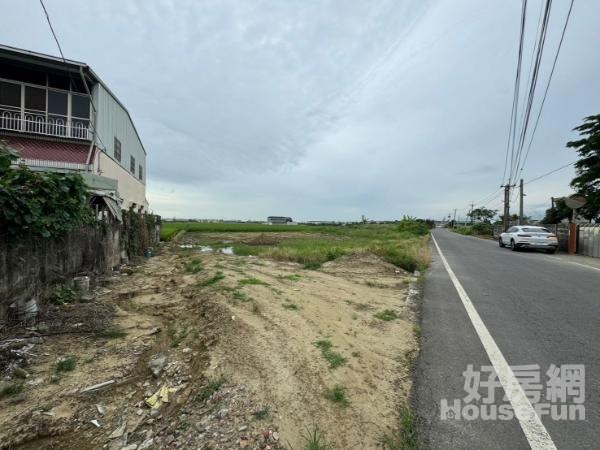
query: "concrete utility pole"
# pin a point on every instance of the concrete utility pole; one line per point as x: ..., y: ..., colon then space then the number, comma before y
x: 521, y: 195
x: 454, y: 225
x: 506, y: 206
x: 471, y: 215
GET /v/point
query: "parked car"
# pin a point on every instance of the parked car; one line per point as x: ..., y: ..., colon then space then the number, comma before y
x: 527, y: 236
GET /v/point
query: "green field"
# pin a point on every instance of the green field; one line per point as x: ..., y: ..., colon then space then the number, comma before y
x: 404, y: 244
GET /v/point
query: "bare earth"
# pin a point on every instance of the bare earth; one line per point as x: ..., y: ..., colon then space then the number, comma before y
x: 254, y: 344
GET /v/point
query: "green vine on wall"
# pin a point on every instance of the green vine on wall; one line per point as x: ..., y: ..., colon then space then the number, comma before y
x: 39, y: 203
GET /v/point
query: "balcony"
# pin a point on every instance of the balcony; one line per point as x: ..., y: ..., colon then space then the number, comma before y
x: 33, y: 109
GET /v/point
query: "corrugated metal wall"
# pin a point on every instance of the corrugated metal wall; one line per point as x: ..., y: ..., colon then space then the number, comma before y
x: 589, y: 240
x: 113, y: 121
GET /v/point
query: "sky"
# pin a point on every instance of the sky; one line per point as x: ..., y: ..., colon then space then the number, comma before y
x: 327, y: 110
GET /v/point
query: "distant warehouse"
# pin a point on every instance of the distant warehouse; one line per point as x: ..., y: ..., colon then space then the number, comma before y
x: 279, y: 220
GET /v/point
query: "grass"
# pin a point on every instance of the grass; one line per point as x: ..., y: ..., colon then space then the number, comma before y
x: 65, y: 364
x: 193, y: 266
x: 11, y: 389
x: 240, y: 296
x: 291, y: 306
x: 214, y: 279
x: 402, y: 244
x: 314, y: 440
x: 405, y: 436
x: 179, y: 334
x: 262, y: 414
x: 293, y: 277
x: 208, y: 390
x: 376, y: 284
x: 337, y: 395
x: 252, y: 282
x: 465, y: 231
x: 113, y: 333
x: 386, y: 315
x: 334, y: 359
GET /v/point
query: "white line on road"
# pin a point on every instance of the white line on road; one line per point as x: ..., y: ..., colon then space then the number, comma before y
x: 532, y: 426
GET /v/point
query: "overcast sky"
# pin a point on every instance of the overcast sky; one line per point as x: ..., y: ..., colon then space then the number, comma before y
x: 326, y: 109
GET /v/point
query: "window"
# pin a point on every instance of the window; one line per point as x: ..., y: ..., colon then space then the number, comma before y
x: 10, y: 94
x: 58, y: 103
x: 132, y: 165
x: 117, y: 149
x: 35, y: 98
x: 80, y: 106
x: 140, y: 172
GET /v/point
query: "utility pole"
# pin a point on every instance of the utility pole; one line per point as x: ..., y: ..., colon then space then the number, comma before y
x: 521, y: 195
x: 506, y: 205
x: 471, y: 215
x: 454, y: 224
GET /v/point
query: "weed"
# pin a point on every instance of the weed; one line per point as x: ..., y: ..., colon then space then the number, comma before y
x: 64, y: 295
x: 291, y: 306
x: 334, y: 359
x: 376, y: 284
x: 405, y: 437
x: 417, y: 330
x: 65, y: 364
x: 262, y: 414
x: 314, y: 440
x: 252, y: 281
x: 312, y: 266
x: 386, y: 315
x: 194, y: 266
x: 240, y: 296
x: 11, y: 389
x: 208, y: 390
x: 179, y: 334
x: 113, y: 333
x: 337, y: 395
x: 215, y: 279
x: 356, y: 354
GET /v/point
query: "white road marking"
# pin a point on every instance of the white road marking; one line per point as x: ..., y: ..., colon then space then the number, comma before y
x: 584, y: 265
x: 532, y: 426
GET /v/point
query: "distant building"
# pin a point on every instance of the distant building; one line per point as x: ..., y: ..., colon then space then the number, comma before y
x: 279, y: 220
x: 59, y: 116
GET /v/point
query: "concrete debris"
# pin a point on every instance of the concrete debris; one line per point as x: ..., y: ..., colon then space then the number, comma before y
x: 118, y: 432
x: 95, y: 387
x: 157, y: 364
x: 95, y: 423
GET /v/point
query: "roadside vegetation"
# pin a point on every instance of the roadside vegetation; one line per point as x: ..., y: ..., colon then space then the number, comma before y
x: 477, y: 229
x: 404, y: 244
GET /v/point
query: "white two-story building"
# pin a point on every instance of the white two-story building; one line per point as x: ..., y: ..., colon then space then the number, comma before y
x: 59, y: 116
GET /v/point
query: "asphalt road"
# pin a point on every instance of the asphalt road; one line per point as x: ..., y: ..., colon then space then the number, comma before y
x: 538, y: 308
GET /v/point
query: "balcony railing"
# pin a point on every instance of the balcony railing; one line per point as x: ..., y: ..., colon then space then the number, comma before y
x: 39, y: 123
x: 55, y: 165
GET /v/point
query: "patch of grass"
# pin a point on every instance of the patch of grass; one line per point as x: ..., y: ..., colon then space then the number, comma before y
x: 386, y: 315
x: 315, y: 440
x: 337, y: 395
x: 252, y: 282
x: 193, y: 266
x: 465, y: 231
x: 179, y: 334
x: 208, y: 390
x: 356, y: 354
x: 214, y: 279
x: 11, y: 389
x: 262, y: 414
x: 113, y: 333
x: 64, y: 295
x: 312, y: 266
x: 291, y: 306
x: 66, y: 364
x: 334, y: 359
x: 417, y: 330
x: 375, y: 284
x: 240, y: 296
x: 405, y: 436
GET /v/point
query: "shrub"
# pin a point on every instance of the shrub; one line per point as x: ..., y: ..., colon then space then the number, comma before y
x: 413, y: 226
x: 485, y: 229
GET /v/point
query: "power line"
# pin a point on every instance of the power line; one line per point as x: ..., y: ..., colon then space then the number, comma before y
x: 52, y: 29
x: 513, y: 114
x: 551, y: 172
x: 537, y: 120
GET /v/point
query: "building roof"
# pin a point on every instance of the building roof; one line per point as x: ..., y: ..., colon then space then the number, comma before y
x: 47, y: 150
x: 68, y: 65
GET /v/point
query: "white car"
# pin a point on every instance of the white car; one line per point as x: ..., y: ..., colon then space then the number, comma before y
x: 527, y: 236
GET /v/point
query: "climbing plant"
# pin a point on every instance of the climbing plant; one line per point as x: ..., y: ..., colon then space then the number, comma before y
x: 39, y: 203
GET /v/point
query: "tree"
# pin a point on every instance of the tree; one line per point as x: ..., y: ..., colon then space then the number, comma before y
x: 558, y: 213
x: 482, y: 214
x: 587, y: 181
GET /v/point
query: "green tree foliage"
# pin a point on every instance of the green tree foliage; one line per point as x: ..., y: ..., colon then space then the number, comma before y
x: 587, y: 181
x: 39, y: 203
x: 482, y: 214
x: 558, y: 213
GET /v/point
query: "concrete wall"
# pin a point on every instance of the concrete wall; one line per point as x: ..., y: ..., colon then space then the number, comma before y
x: 27, y: 268
x: 130, y: 189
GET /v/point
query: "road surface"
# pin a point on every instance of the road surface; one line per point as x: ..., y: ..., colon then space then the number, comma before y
x: 536, y: 309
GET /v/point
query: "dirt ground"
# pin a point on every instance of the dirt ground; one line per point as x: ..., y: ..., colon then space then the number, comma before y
x: 249, y: 347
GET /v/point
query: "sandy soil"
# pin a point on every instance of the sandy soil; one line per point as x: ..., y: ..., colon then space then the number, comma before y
x: 258, y: 339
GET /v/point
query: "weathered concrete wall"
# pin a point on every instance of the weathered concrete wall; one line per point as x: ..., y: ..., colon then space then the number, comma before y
x: 27, y: 267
